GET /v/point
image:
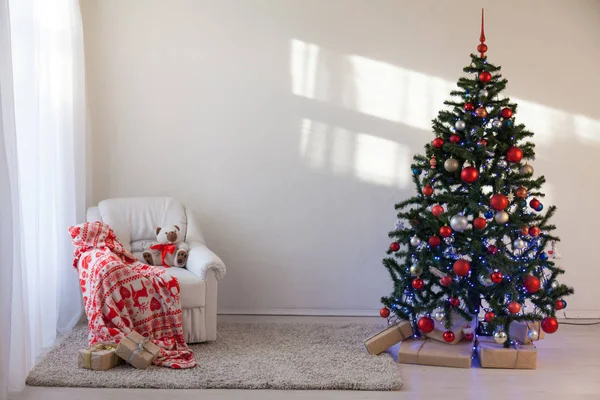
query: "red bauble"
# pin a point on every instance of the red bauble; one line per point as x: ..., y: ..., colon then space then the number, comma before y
x: 445, y: 231
x: 434, y: 241
x: 534, y: 231
x: 481, y: 112
x: 394, y: 246
x: 469, y: 336
x: 418, y: 283
x: 437, y: 210
x: 506, y: 113
x: 489, y: 316
x: 425, y: 324
x: 492, y: 249
x: 496, y: 277
x: 384, y: 312
x: 482, y: 142
x: 549, y: 325
x: 482, y: 48
x: 514, y: 307
x: 521, y: 192
x: 454, y: 138
x: 438, y: 142
x: 427, y: 190
x: 485, y: 76
x: 559, y: 305
x: 534, y: 203
x: 454, y: 302
x: 446, y: 280
x: 469, y: 106
x: 514, y: 154
x: 498, y: 202
x: 525, y: 230
x: 479, y: 223
x: 531, y: 283
x: 469, y: 174
x: 461, y: 267
x: 449, y: 336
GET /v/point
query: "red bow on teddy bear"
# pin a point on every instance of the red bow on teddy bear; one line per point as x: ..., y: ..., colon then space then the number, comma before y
x: 164, y: 249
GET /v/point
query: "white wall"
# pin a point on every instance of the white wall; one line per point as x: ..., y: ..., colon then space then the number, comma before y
x: 289, y: 126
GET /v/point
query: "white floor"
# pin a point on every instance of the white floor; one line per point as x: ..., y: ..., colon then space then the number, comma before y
x: 568, y: 368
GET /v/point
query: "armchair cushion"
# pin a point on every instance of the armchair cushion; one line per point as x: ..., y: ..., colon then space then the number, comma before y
x: 201, y: 259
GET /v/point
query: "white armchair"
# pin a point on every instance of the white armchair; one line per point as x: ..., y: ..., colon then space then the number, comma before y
x: 134, y: 221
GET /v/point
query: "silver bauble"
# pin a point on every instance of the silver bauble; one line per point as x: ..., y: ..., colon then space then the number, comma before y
x: 502, y: 164
x: 526, y: 169
x: 415, y: 241
x: 501, y: 217
x: 500, y: 337
x: 497, y: 124
x: 416, y: 270
x: 460, y: 125
x: 519, y: 244
x: 439, y: 316
x: 484, y: 93
x: 485, y: 280
x: 459, y: 223
x: 451, y: 164
x: 554, y: 285
x: 533, y: 334
x: 449, y: 240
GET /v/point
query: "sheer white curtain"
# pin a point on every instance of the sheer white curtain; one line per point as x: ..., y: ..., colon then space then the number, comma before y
x: 42, y: 177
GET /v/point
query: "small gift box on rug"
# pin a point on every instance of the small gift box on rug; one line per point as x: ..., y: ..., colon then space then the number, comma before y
x: 494, y: 355
x: 458, y: 323
x: 99, y: 357
x: 388, y: 337
x: 519, y: 331
x: 432, y: 352
x: 137, y: 350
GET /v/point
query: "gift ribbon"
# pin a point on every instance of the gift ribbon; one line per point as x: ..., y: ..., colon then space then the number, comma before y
x: 94, y: 348
x: 419, y: 350
x: 140, y: 347
x: 164, y: 249
x: 517, y: 345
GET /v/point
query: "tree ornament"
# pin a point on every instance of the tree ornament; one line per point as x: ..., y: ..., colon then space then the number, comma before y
x: 514, y: 307
x: 498, y: 202
x: 459, y: 222
x: 506, y: 113
x: 469, y: 336
x: 526, y: 169
x: 531, y: 284
x: 416, y: 270
x: 496, y: 277
x: 415, y: 241
x: 438, y: 142
x: 519, y: 244
x: 497, y: 124
x: 534, y: 231
x: 445, y: 231
x: 434, y: 241
x: 384, y: 312
x: 489, y: 316
x: 488, y: 214
x: 433, y: 162
x: 481, y: 112
x: 485, y: 77
x: 425, y: 324
x: 437, y: 210
x: 558, y: 305
x: 469, y: 174
x: 394, y: 246
x: 543, y: 256
x: 416, y: 171
x: 501, y: 217
x: 469, y: 106
x: 500, y: 337
x: 439, y: 316
x: 549, y: 325
x: 483, y: 93
x: 449, y: 336
x: 510, y: 197
x: 554, y: 285
x: 454, y: 138
x: 524, y: 230
x: 451, y: 164
x: 564, y: 302
x: 454, y: 302
x: 492, y: 249
x: 534, y: 203
x: 479, y: 223
x: 482, y: 142
x: 460, y: 125
x: 533, y: 334
x: 521, y: 192
x: 461, y: 267
x: 418, y: 283
x: 514, y: 154
x: 446, y: 281
x: 427, y: 190
x: 502, y: 164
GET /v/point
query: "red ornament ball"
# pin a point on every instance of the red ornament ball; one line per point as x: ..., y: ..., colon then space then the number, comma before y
x: 506, y: 113
x: 514, y: 154
x: 479, y: 223
x: 461, y: 267
x: 485, y: 76
x: 521, y: 192
x: 489, y: 316
x: 492, y: 249
x: 482, y: 47
x: 449, y: 336
x: 425, y: 324
x: 394, y: 246
x: 514, y: 307
x: 418, y: 283
x: 438, y: 142
x: 434, y: 241
x: 482, y: 142
x: 445, y: 231
x: 531, y: 283
x: 496, y: 277
x: 446, y: 280
x: 559, y: 305
x: 454, y: 138
x: 469, y: 174
x: 534, y: 231
x: 549, y: 325
x: 525, y: 230
x: 534, y: 203
x: 481, y: 112
x: 498, y: 202
x: 454, y: 302
x: 437, y: 210
x: 469, y: 106
x: 469, y: 336
x: 427, y: 190
x: 384, y: 312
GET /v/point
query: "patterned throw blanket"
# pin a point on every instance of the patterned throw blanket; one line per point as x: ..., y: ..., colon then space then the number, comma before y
x: 121, y: 294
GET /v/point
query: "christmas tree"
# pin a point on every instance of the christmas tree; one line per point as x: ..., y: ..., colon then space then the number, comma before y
x: 475, y: 239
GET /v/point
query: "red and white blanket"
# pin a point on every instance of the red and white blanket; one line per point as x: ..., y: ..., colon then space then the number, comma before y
x: 121, y: 294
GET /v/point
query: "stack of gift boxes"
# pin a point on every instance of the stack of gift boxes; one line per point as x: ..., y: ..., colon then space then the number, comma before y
x: 433, y: 349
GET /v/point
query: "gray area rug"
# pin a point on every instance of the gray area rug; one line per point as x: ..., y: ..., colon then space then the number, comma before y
x: 288, y: 356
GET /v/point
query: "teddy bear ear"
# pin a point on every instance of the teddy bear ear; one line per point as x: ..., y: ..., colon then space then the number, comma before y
x: 157, y: 229
x: 177, y: 227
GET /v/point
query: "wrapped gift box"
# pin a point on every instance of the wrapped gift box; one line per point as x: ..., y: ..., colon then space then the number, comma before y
x: 433, y: 352
x: 137, y: 350
x: 388, y: 337
x: 458, y: 323
x: 494, y: 355
x: 518, y: 331
x: 99, y: 357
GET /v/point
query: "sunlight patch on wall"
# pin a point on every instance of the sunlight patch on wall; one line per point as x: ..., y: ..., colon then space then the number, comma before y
x: 382, y: 161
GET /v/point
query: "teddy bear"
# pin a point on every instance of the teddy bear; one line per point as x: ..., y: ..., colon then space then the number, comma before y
x: 170, y: 249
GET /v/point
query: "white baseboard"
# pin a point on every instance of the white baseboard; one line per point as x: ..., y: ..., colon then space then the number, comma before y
x: 580, y: 314
x: 299, y: 311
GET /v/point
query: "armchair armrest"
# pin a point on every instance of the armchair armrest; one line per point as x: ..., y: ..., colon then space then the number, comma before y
x: 201, y: 259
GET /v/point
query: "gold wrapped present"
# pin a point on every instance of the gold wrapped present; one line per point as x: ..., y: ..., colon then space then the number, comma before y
x: 494, y: 355
x: 99, y: 357
x: 388, y: 337
x: 137, y: 350
x: 518, y: 331
x: 432, y: 352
